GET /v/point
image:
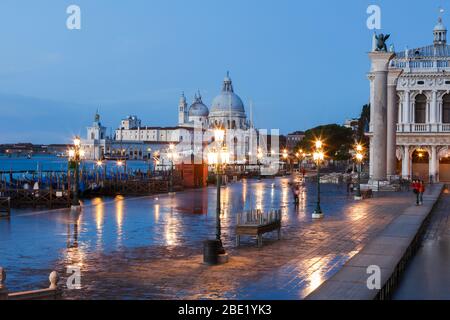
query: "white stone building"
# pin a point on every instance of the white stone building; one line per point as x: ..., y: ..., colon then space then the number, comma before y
x: 194, y: 129
x: 410, y: 111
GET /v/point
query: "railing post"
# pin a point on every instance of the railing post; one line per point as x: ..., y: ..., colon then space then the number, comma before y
x: 53, y: 278
x: 3, y: 289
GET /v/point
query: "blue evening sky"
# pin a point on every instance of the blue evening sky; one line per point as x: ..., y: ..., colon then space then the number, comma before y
x: 301, y: 63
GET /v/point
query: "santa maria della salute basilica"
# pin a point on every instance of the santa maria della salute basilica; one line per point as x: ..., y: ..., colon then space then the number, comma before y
x: 227, y: 110
x: 196, y: 123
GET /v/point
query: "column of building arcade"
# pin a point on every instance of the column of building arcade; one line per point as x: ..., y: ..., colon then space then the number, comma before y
x: 403, y: 113
x: 426, y: 162
x: 423, y: 111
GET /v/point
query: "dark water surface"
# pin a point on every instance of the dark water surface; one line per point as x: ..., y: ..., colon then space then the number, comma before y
x: 53, y: 163
x: 32, y: 244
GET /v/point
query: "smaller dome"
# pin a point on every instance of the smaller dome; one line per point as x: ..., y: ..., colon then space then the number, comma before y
x: 440, y: 26
x: 198, y: 109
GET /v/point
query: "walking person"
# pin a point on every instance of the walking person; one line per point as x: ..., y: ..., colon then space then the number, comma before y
x: 421, y: 191
x: 297, y: 194
x: 293, y: 189
x: 415, y: 186
x: 349, y: 184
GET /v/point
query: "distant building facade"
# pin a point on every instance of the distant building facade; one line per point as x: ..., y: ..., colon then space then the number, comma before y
x: 293, y: 139
x: 352, y: 124
x: 195, y: 125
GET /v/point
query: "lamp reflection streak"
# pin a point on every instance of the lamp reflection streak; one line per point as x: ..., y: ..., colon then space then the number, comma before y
x: 119, y: 219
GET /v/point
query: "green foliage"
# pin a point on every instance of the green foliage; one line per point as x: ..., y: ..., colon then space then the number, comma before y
x: 363, y: 125
x: 338, y: 140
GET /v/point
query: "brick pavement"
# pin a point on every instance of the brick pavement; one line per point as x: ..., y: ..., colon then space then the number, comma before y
x: 310, y: 252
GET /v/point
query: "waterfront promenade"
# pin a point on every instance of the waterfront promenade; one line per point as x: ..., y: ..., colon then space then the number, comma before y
x: 427, y: 276
x: 389, y: 252
x: 151, y: 247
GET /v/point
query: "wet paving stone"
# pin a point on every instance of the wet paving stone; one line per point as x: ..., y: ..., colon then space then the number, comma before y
x: 151, y: 247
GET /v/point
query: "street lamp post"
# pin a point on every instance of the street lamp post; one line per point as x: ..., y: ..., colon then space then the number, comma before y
x: 318, y: 158
x: 75, y: 155
x: 97, y: 171
x: 214, y: 252
x: 120, y: 164
x: 171, y: 158
x: 286, y: 159
x: 359, y: 156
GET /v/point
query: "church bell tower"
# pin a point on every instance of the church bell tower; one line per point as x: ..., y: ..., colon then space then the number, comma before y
x: 182, y: 110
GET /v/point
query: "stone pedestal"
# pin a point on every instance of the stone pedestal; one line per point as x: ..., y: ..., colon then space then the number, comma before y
x: 380, y: 63
x: 392, y: 119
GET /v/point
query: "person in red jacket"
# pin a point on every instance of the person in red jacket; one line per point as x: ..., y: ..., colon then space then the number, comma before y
x: 421, y: 191
x: 415, y: 186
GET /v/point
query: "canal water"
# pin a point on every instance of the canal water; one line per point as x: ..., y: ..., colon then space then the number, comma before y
x: 33, y: 243
x: 427, y: 277
x: 53, y: 163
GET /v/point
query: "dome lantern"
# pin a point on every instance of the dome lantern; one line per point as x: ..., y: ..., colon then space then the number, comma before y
x: 440, y: 33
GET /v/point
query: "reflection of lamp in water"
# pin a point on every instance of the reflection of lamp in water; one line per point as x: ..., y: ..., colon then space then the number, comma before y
x: 318, y: 156
x: 171, y: 155
x: 119, y: 218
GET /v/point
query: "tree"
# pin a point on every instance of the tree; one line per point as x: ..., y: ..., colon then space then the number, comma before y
x: 363, y: 125
x: 338, y: 140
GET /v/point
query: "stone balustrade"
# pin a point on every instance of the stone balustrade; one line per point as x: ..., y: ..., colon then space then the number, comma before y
x: 423, y: 127
x: 422, y: 65
x: 50, y: 293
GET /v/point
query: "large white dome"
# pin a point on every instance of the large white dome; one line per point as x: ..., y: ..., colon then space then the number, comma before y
x: 227, y: 103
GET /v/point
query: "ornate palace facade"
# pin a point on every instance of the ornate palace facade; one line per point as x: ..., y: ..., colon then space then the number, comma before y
x: 410, y: 111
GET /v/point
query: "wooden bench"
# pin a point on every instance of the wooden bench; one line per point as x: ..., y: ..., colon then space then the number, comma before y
x: 256, y: 223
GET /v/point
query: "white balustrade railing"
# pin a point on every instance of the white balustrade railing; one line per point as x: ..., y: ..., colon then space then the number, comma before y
x: 423, y: 127
x: 421, y: 64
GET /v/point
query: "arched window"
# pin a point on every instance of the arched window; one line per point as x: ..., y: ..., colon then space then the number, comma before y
x: 420, y: 109
x: 446, y: 109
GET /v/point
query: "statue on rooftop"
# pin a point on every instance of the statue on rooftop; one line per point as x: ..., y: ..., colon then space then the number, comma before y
x: 381, y: 42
